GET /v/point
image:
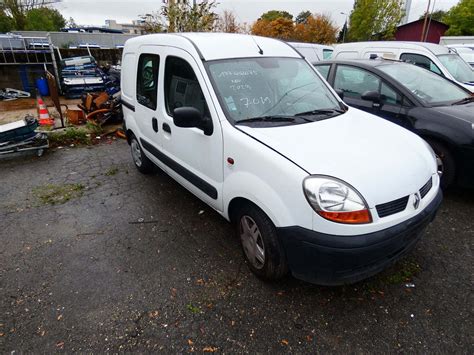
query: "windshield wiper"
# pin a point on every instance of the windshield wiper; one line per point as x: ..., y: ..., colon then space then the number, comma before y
x: 325, y: 112
x: 269, y: 118
x: 464, y: 101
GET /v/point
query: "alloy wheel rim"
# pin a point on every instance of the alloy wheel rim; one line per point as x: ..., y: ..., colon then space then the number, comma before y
x: 252, y: 242
x: 136, y: 153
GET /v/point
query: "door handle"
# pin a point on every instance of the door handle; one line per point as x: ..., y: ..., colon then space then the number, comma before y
x: 154, y: 123
x: 166, y: 128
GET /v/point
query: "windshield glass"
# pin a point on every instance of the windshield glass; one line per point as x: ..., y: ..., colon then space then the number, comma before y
x: 458, y: 68
x: 430, y: 88
x: 257, y: 87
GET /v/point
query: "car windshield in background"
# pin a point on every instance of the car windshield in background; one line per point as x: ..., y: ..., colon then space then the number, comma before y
x: 269, y: 88
x: 459, y: 69
x: 430, y: 88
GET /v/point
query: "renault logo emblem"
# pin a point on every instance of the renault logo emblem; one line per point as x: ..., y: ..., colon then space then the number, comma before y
x: 416, y: 201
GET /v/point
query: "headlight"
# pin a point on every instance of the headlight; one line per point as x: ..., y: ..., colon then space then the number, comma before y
x: 336, y: 200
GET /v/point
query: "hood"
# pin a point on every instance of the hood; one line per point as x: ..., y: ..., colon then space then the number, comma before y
x: 381, y: 160
x: 463, y: 112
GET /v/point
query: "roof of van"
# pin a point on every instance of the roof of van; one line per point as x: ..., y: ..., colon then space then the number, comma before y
x: 436, y: 49
x: 213, y: 46
x: 310, y: 45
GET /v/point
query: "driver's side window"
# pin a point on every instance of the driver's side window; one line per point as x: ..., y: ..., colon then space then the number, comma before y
x: 147, y: 80
x: 182, y: 87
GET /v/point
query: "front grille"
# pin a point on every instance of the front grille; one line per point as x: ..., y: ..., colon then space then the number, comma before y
x: 392, y: 207
x: 426, y: 188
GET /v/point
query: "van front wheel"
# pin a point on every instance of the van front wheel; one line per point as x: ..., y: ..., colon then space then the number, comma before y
x: 142, y: 163
x: 260, y: 244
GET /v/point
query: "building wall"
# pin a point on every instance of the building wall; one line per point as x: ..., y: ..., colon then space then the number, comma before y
x: 412, y: 32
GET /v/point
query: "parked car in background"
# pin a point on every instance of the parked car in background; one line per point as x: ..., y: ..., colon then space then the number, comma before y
x: 435, y: 108
x: 313, y: 52
x: 250, y: 128
x: 439, y: 59
x: 465, y: 51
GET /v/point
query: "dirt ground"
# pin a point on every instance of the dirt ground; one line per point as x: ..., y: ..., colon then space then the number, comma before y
x: 97, y: 257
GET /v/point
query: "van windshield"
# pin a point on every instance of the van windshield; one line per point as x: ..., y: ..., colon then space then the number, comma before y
x: 253, y: 88
x: 459, y: 69
x: 430, y: 88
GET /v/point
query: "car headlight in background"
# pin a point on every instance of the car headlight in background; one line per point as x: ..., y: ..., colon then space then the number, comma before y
x: 336, y: 200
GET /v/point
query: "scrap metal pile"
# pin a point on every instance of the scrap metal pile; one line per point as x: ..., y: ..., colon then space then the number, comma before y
x: 81, y: 75
x: 102, y: 107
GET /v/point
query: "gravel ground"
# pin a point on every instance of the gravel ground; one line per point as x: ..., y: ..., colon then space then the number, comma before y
x: 97, y: 257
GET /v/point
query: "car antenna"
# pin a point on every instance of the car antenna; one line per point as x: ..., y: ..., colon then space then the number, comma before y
x: 260, y: 50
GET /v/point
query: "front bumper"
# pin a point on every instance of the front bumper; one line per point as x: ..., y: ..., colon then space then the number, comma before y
x: 332, y: 260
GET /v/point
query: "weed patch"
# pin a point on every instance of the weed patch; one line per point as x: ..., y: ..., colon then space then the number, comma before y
x: 58, y: 194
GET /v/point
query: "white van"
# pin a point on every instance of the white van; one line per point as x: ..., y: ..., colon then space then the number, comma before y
x: 330, y: 193
x: 313, y: 52
x: 438, y: 59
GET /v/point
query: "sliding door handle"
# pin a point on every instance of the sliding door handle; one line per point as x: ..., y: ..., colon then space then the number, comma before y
x: 154, y: 123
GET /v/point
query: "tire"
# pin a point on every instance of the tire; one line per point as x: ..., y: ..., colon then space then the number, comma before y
x: 265, y: 257
x: 446, y: 164
x: 141, y: 161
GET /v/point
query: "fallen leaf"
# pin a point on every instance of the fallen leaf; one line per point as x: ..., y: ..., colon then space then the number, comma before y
x: 190, y: 342
x: 309, y: 338
x: 60, y: 317
x: 200, y: 282
x: 153, y: 314
x: 60, y: 344
x: 209, y: 349
x: 2, y: 334
x: 284, y: 342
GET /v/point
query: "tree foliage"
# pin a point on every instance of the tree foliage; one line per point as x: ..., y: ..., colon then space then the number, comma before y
x: 276, y: 14
x: 437, y: 15
x: 44, y: 19
x: 460, y: 19
x: 17, y: 10
x: 185, y: 17
x: 281, y: 27
x: 6, y: 22
x: 374, y: 18
x: 318, y: 28
x: 302, y: 17
x: 228, y: 23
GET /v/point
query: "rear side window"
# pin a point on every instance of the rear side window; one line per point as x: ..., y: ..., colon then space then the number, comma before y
x: 147, y: 80
x: 354, y: 81
x: 327, y: 53
x: 421, y: 61
x: 182, y: 88
x: 323, y: 70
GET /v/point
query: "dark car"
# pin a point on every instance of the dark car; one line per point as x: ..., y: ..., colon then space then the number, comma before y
x: 435, y: 108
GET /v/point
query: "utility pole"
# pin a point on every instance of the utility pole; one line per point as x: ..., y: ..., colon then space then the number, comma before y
x: 344, y: 27
x: 426, y: 19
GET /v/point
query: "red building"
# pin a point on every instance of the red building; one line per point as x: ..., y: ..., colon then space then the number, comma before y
x: 412, y: 31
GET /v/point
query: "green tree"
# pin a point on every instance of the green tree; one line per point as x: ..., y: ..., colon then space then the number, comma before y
x: 374, y: 18
x: 460, y: 19
x: 302, y: 17
x: 6, y: 22
x: 184, y: 17
x: 44, y: 19
x: 272, y: 15
x: 17, y: 10
x: 437, y: 15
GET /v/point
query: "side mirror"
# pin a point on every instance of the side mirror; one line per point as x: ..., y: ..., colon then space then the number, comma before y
x: 340, y: 93
x: 187, y: 117
x: 373, y: 96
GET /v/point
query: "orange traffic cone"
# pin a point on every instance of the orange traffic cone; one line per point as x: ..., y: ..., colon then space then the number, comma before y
x: 43, y: 114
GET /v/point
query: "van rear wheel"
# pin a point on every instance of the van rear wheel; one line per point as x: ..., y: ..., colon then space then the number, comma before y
x: 261, y: 246
x: 142, y: 163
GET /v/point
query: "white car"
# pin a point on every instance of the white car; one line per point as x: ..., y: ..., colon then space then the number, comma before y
x: 313, y: 52
x: 330, y: 193
x: 439, y: 59
x: 465, y: 51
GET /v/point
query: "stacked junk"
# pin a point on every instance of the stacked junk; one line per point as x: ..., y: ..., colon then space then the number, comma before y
x: 80, y: 77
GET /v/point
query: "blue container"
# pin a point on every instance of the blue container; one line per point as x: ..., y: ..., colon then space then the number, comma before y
x: 42, y: 85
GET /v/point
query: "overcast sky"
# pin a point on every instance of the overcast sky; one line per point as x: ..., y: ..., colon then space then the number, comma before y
x: 95, y: 12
